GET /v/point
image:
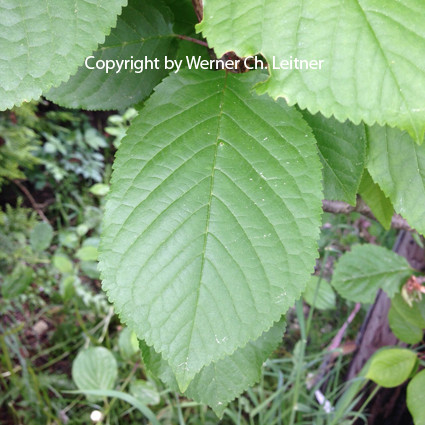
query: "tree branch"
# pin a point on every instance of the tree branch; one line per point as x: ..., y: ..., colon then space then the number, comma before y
x: 338, y: 207
x: 199, y: 9
x: 33, y: 203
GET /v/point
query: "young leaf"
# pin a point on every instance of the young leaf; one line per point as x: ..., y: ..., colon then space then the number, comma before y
x: 403, y: 329
x: 41, y: 236
x: 373, y: 63
x: 397, y: 164
x: 342, y: 150
x: 211, y: 224
x: 219, y: 383
x: 143, y: 30
x: 407, y: 323
x: 365, y: 269
x: 391, y: 367
x: 416, y: 398
x: 325, y: 295
x: 379, y: 204
x: 43, y: 43
x: 95, y: 369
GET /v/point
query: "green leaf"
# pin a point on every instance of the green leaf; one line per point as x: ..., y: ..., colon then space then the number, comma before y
x: 95, y: 369
x: 374, y: 66
x: 397, y: 164
x: 324, y: 299
x: 43, y: 43
x: 407, y: 323
x: 143, y: 30
x: 365, y: 269
x: 99, y: 189
x: 128, y: 343
x: 62, y: 263
x: 145, y: 391
x: 211, y: 224
x: 41, y: 236
x: 342, y: 150
x: 403, y: 329
x: 219, y: 383
x: 391, y: 367
x: 184, y: 16
x: 414, y: 314
x: 379, y: 204
x: 87, y: 253
x: 416, y: 398
x: 17, y: 282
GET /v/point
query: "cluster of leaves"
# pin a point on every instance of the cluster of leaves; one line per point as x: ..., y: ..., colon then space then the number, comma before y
x: 212, y: 220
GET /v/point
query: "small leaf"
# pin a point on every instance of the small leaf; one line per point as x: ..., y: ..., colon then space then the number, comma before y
x: 219, y: 383
x: 391, y: 367
x: 145, y: 391
x: 325, y: 297
x: 342, y: 150
x: 95, y: 369
x: 403, y: 329
x: 87, y: 253
x: 397, y: 164
x: 379, y: 204
x: 128, y: 343
x: 211, y: 224
x: 67, y: 287
x: 41, y: 236
x: 17, y: 282
x: 416, y: 398
x: 62, y: 263
x: 365, y: 269
x: 144, y: 30
x: 99, y: 189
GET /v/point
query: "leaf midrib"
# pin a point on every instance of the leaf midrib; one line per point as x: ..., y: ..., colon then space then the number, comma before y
x: 210, y: 197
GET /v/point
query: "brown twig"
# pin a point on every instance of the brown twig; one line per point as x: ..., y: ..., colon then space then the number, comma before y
x: 338, y: 207
x: 192, y: 40
x: 34, y: 204
x: 199, y: 9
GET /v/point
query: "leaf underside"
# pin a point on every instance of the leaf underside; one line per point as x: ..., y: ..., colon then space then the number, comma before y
x: 373, y: 53
x: 379, y: 204
x: 143, y: 30
x: 211, y: 225
x: 342, y: 150
x: 219, y: 383
x: 397, y: 164
x: 43, y: 43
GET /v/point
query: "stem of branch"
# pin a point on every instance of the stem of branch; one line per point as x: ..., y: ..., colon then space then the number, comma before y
x: 34, y: 204
x: 192, y: 40
x: 339, y: 207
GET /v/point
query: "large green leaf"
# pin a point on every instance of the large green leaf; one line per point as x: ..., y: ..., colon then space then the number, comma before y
x: 397, y: 164
x: 373, y: 53
x: 342, y: 149
x: 366, y: 268
x: 42, y: 43
x: 378, y: 203
x: 211, y: 224
x: 219, y: 383
x: 143, y: 31
x: 415, y: 398
x: 391, y: 367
